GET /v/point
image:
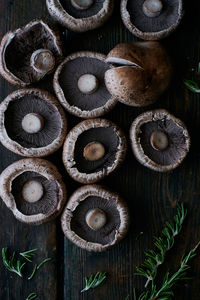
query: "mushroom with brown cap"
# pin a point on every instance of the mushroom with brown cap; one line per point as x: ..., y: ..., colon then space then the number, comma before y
x: 141, y: 74
x: 151, y: 19
x: 32, y: 123
x: 84, y: 94
x: 159, y: 140
x: 37, y: 50
x: 93, y: 149
x: 80, y: 15
x: 33, y: 190
x: 95, y: 218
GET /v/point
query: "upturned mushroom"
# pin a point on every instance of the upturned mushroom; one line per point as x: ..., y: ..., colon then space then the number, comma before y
x: 32, y: 123
x: 159, y: 140
x: 93, y: 149
x: 84, y: 94
x: 29, y: 53
x: 142, y: 72
x: 80, y: 15
x: 95, y: 218
x: 151, y: 19
x: 33, y: 190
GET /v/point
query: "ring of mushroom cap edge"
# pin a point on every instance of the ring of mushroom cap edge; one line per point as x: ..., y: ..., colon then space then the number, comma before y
x: 147, y: 35
x: 14, y: 146
x: 76, y: 199
x: 42, y: 167
x: 69, y: 146
x: 73, y: 108
x: 135, y: 130
x: 58, y: 12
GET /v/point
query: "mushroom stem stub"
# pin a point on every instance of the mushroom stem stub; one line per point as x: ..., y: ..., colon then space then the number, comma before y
x: 159, y: 140
x: 96, y: 218
x: 82, y: 4
x: 152, y: 8
x: 32, y: 191
x: 32, y: 123
x: 94, y: 151
x: 88, y: 83
x: 43, y: 61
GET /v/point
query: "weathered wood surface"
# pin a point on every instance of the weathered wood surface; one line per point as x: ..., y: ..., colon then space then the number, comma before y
x: 151, y: 196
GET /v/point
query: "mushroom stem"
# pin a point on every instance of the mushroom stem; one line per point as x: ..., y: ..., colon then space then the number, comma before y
x: 95, y: 218
x: 94, y: 151
x: 82, y: 4
x: 42, y: 61
x: 32, y: 191
x: 88, y: 83
x: 152, y: 8
x: 159, y: 140
x: 32, y: 123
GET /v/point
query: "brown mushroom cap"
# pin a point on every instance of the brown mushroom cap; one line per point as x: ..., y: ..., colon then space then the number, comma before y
x: 150, y: 26
x: 17, y: 48
x: 66, y: 86
x: 141, y: 74
x: 80, y: 20
x: 172, y: 143
x: 93, y: 130
x: 74, y: 223
x: 43, y: 105
x: 12, y: 181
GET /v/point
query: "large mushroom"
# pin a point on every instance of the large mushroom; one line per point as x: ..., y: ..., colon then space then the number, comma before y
x: 95, y: 218
x: 141, y: 74
x: 159, y: 140
x: 32, y: 123
x: 80, y: 15
x: 29, y: 53
x: 93, y: 149
x: 33, y: 190
x: 151, y: 19
x: 84, y: 94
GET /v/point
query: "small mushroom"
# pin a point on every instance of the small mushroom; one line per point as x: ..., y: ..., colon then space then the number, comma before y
x: 151, y: 19
x: 29, y: 53
x: 32, y: 123
x: 95, y: 218
x: 84, y: 94
x: 80, y: 15
x: 141, y: 74
x: 33, y: 190
x: 159, y: 140
x: 93, y: 149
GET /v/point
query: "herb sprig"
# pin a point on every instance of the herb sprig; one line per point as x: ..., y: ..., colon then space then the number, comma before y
x: 11, y: 263
x: 31, y: 296
x: 28, y: 254
x: 93, y: 281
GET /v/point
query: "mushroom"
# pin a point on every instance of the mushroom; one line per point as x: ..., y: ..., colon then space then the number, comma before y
x: 80, y: 15
x: 32, y: 123
x: 95, y: 218
x: 33, y: 190
x: 29, y: 53
x: 151, y: 19
x: 93, y: 149
x: 159, y: 140
x: 141, y: 74
x: 84, y: 94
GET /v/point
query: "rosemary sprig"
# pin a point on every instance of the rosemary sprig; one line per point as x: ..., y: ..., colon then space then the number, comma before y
x: 33, y: 272
x: 163, y: 244
x: 31, y: 296
x: 11, y: 263
x: 43, y: 262
x: 192, y: 85
x: 28, y: 254
x: 94, y: 281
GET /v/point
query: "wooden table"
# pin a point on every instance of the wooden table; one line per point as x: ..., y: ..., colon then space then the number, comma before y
x: 151, y: 196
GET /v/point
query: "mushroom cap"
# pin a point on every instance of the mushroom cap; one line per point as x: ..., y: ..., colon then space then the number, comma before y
x: 142, y: 72
x: 22, y: 102
x: 89, y: 197
x: 66, y: 86
x: 80, y: 20
x: 148, y: 28
x: 177, y: 146
x: 98, y: 130
x: 23, y: 42
x: 16, y: 175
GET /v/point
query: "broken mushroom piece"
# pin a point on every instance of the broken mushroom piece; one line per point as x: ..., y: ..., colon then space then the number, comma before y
x: 159, y: 140
x: 29, y: 53
x: 95, y: 218
x: 32, y: 123
x: 33, y: 190
x: 93, y: 149
x: 80, y: 15
x: 84, y: 94
x: 151, y: 19
x: 142, y: 72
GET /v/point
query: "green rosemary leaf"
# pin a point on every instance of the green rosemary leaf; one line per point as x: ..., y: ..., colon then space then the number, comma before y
x: 192, y: 85
x: 33, y: 272
x: 28, y: 254
x: 43, y: 262
x: 12, y: 264
x: 31, y: 296
x: 94, y: 281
